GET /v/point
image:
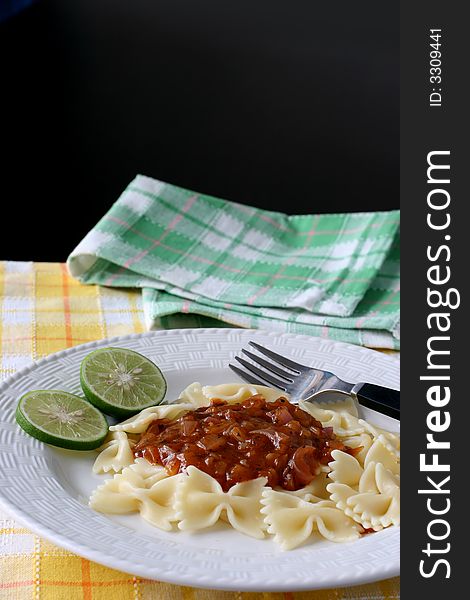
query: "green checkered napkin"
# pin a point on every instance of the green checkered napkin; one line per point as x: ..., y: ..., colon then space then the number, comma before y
x: 333, y: 275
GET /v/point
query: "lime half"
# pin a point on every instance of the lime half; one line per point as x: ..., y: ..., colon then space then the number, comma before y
x: 121, y: 382
x: 61, y: 419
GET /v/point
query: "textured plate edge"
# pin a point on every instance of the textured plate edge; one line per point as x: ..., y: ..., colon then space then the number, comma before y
x: 223, y: 331
x: 142, y: 570
x: 242, y: 586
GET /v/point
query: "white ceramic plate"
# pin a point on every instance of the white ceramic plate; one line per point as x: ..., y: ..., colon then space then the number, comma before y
x: 47, y: 489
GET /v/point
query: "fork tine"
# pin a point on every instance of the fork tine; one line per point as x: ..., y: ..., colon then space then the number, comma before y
x: 246, y: 376
x: 282, y: 385
x: 269, y: 366
x: 282, y: 360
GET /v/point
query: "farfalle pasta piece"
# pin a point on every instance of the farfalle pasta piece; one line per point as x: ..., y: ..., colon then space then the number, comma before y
x: 200, y: 502
x: 343, y: 422
x: 115, y: 454
x: 157, y: 504
x: 140, y: 487
x: 363, y: 441
x: 109, y: 498
x: 193, y: 394
x: 236, y: 392
x: 292, y: 520
x: 148, y: 473
x: 380, y: 452
x: 390, y: 440
x: 369, y: 495
x: 380, y: 506
x: 314, y: 491
x: 200, y: 396
x: 345, y: 469
x: 141, y: 474
x: 139, y: 422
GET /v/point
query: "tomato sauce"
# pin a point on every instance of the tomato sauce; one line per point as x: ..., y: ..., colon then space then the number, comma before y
x: 239, y: 442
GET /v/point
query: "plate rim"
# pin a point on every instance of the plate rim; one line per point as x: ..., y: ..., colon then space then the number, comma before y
x: 138, y: 569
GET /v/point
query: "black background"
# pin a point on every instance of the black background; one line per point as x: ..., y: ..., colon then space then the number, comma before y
x: 289, y: 106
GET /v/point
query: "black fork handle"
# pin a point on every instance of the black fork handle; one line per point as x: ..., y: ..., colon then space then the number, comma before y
x: 382, y: 399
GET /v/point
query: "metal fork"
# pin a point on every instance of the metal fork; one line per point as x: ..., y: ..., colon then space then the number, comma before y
x: 307, y: 383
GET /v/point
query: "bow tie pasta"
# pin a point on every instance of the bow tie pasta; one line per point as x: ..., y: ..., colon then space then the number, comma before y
x: 292, y: 519
x: 201, y: 502
x: 199, y: 395
x: 353, y: 491
x: 140, y: 487
x: 115, y: 454
x: 369, y: 494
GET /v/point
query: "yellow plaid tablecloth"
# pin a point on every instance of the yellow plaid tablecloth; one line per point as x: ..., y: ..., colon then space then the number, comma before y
x: 43, y: 310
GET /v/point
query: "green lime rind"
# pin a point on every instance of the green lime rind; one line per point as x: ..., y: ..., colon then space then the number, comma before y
x: 61, y: 419
x: 121, y: 382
